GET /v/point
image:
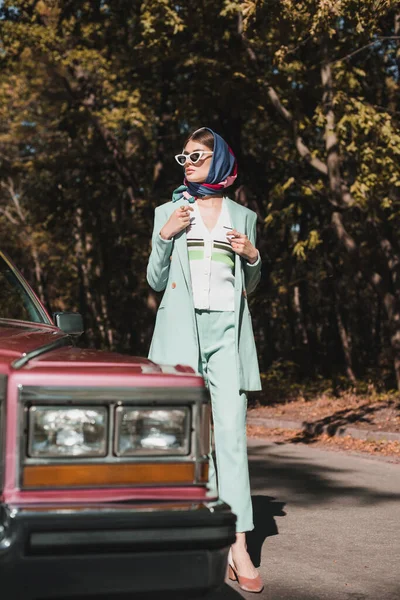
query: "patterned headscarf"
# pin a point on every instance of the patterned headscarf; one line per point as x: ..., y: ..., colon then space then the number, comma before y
x: 223, y: 172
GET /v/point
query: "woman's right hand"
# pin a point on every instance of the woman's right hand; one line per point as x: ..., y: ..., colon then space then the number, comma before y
x: 179, y: 220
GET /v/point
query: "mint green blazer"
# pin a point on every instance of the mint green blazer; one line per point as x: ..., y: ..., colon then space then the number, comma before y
x: 175, y: 338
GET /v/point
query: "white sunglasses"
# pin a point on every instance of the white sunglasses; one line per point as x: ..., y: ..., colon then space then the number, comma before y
x: 194, y: 157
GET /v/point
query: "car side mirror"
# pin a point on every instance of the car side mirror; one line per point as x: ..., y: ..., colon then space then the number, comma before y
x: 69, y: 322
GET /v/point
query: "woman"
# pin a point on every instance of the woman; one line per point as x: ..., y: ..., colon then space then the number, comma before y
x: 204, y: 256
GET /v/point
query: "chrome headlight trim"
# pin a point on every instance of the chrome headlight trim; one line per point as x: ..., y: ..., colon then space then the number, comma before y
x: 160, y: 438
x: 112, y: 397
x: 167, y: 396
x: 74, y: 426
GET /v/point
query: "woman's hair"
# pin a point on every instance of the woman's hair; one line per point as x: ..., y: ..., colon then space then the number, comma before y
x: 204, y: 136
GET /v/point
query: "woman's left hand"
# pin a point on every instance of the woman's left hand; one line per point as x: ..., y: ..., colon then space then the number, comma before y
x: 242, y: 245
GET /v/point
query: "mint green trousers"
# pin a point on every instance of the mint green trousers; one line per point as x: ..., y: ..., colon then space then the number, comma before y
x: 216, y: 333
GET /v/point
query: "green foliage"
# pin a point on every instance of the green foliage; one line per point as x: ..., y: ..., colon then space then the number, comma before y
x: 96, y: 98
x: 300, y: 248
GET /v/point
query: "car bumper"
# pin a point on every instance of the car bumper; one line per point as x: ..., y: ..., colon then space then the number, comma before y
x: 72, y: 551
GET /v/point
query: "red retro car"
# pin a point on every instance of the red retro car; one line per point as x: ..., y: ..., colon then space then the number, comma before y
x: 103, y: 465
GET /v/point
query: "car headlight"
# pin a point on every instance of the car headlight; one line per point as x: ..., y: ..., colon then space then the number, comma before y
x: 152, y: 431
x: 63, y: 432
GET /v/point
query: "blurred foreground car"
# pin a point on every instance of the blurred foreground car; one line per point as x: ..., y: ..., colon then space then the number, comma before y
x: 103, y: 465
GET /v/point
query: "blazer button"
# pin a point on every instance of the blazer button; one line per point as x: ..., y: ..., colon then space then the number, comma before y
x: 173, y: 285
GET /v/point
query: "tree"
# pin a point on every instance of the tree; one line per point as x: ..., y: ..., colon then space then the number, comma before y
x: 97, y: 97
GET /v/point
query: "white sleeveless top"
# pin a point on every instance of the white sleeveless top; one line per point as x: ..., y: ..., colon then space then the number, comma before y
x: 212, y: 262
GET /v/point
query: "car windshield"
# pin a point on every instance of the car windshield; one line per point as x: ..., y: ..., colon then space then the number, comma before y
x: 15, y: 301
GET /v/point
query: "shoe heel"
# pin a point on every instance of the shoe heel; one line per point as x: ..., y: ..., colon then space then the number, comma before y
x: 231, y: 574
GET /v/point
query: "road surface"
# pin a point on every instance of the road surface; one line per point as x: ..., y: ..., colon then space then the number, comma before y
x: 327, y: 526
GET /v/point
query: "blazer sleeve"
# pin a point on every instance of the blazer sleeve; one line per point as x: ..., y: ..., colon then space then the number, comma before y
x: 159, y: 260
x: 252, y: 272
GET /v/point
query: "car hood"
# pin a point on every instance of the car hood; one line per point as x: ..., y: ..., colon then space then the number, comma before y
x: 85, y: 357
x: 18, y: 339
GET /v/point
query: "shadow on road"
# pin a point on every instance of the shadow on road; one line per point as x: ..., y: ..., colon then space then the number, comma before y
x: 307, y: 483
x: 264, y: 510
x: 340, y: 419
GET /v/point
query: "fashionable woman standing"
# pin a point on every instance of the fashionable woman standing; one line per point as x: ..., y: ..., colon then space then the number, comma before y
x: 204, y: 256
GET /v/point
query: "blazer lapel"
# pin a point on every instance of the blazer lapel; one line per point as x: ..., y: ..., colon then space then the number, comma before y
x: 238, y: 223
x: 181, y: 246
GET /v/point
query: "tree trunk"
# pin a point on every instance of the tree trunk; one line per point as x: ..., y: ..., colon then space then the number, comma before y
x: 391, y: 301
x: 300, y: 328
x: 81, y: 250
x: 378, y: 329
x: 301, y: 334
x: 331, y: 140
x: 40, y: 289
x: 344, y: 338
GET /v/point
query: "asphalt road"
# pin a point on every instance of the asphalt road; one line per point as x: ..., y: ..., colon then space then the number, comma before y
x: 328, y: 524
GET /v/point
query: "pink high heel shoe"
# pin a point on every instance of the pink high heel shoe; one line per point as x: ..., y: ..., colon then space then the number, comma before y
x: 254, y: 585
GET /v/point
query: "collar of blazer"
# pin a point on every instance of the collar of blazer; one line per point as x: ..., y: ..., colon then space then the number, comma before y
x: 238, y: 221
